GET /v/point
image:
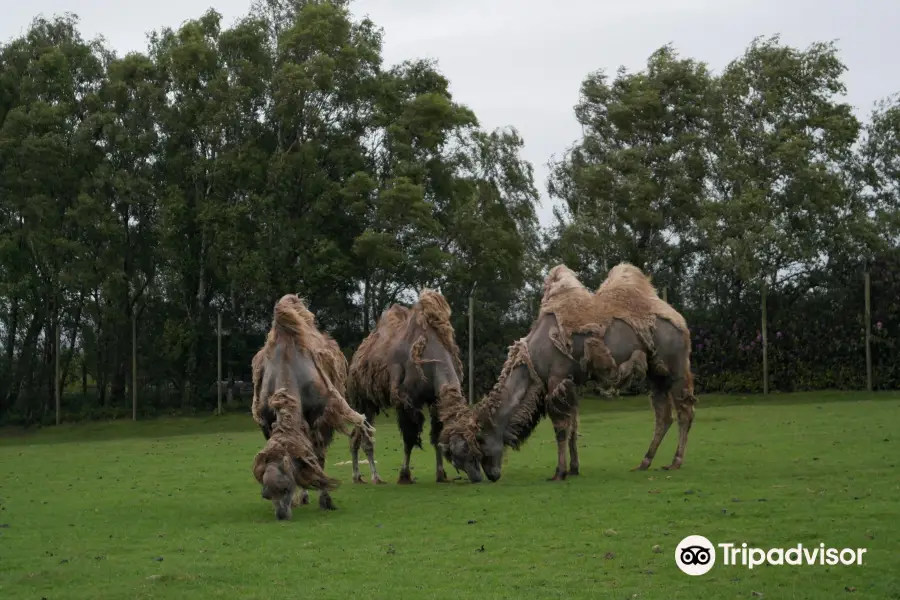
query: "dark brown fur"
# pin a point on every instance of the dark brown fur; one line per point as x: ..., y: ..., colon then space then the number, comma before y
x: 410, y: 361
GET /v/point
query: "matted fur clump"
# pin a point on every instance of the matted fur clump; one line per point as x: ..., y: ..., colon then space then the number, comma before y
x: 532, y: 406
x: 290, y: 446
x: 370, y: 369
x: 293, y: 322
x: 294, y: 443
x: 626, y: 294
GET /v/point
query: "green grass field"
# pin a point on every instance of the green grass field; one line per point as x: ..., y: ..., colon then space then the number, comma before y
x: 169, y: 509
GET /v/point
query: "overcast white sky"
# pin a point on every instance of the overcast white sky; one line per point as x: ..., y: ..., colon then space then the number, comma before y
x: 520, y: 62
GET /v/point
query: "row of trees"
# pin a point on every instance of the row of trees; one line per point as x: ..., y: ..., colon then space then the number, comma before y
x: 224, y: 167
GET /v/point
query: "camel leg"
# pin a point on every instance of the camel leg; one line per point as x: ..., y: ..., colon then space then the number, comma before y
x: 325, y: 501
x: 662, y: 407
x: 561, y: 429
x: 684, y: 405
x: 357, y: 439
x: 300, y: 496
x: 436, y: 428
x: 410, y: 422
x: 573, y: 446
x: 563, y: 409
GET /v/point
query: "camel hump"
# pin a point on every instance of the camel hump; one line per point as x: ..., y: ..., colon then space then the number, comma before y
x: 433, y: 312
x: 292, y: 316
x: 627, y: 276
x: 434, y: 308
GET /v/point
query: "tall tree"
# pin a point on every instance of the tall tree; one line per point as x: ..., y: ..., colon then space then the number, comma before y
x: 781, y: 192
x: 632, y: 186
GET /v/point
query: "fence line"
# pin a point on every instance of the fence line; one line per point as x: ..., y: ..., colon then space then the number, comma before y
x: 764, y: 322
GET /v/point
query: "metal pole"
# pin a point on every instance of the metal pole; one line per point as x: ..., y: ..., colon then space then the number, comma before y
x: 133, y: 365
x: 58, y: 382
x: 764, y: 340
x: 219, y: 379
x: 868, y: 332
x: 472, y: 344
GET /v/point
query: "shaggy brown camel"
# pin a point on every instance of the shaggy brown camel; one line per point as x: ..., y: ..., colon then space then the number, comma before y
x: 410, y: 361
x: 623, y: 330
x: 299, y: 378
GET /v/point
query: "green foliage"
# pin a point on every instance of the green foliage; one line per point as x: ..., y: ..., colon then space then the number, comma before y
x: 217, y: 171
x: 225, y: 166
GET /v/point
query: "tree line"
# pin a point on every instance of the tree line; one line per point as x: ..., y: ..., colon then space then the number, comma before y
x: 159, y: 191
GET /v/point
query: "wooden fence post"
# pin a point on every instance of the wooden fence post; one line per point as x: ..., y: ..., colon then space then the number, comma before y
x: 472, y: 344
x: 868, y: 283
x: 133, y: 365
x: 764, y: 338
x: 219, y: 376
x: 56, y: 371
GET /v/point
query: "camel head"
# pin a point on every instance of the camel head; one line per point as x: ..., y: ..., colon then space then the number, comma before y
x: 461, y: 455
x: 490, y: 441
x: 280, y: 488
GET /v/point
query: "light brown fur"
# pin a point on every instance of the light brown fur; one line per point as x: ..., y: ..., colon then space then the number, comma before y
x: 569, y: 309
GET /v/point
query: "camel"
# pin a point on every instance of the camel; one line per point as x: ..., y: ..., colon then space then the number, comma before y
x: 620, y: 332
x: 299, y: 379
x: 410, y: 361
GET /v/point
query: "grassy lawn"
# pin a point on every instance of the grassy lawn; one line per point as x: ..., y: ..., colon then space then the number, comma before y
x: 169, y: 509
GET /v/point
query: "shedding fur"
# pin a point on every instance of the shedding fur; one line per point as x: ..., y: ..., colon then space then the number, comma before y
x: 532, y: 407
x: 626, y: 294
x: 292, y: 441
x: 290, y: 446
x: 569, y: 309
x: 387, y: 370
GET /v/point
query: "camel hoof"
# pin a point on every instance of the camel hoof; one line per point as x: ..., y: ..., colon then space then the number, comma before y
x: 358, y: 479
x: 304, y: 499
x: 326, y: 503
x: 558, y: 476
x: 673, y: 467
x: 645, y: 464
x: 379, y: 481
x: 574, y: 472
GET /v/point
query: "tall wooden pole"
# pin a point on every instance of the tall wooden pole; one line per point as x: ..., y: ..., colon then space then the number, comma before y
x: 133, y: 365
x: 764, y: 340
x: 219, y: 379
x: 472, y: 345
x: 57, y: 381
x: 868, y: 333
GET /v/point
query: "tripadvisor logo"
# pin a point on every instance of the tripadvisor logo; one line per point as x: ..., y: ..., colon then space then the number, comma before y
x: 696, y: 555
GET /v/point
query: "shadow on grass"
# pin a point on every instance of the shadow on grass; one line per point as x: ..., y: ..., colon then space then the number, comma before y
x: 163, y: 427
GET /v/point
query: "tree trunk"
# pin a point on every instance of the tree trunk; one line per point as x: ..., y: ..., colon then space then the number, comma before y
x: 12, y: 329
x: 17, y: 396
x: 76, y: 327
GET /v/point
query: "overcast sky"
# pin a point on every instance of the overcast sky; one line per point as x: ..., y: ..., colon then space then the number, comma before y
x: 520, y: 62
